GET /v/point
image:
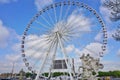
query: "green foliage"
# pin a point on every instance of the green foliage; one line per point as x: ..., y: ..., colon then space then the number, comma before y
x: 55, y: 74
x: 99, y: 79
x: 28, y: 74
x: 115, y: 74
x: 110, y: 73
x: 93, y: 73
x: 45, y: 74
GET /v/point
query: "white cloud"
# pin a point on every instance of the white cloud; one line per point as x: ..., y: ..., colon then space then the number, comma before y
x: 75, y: 25
x: 110, y: 33
x: 13, y: 57
x: 4, y: 34
x: 7, y: 36
x: 6, y: 1
x: 42, y: 3
x: 8, y: 65
x: 41, y: 43
x: 79, y: 21
x: 70, y: 48
x: 34, y: 40
x: 99, y: 36
x: 10, y: 58
x: 8, y: 39
x: 16, y: 47
x: 36, y: 46
x: 93, y: 49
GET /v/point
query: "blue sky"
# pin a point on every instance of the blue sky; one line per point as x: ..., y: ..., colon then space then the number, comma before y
x: 14, y: 17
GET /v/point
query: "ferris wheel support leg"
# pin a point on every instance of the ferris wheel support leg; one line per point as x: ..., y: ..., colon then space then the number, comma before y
x: 65, y: 56
x: 53, y: 57
x: 37, y: 77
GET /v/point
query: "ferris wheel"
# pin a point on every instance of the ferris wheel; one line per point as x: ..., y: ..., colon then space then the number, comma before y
x: 62, y: 30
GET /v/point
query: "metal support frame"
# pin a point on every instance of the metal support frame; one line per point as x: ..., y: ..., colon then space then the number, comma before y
x: 41, y: 67
x: 65, y: 56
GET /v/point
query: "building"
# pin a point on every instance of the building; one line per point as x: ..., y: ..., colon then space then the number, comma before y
x: 60, y: 65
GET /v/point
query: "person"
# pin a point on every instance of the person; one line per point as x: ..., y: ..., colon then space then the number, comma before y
x: 60, y: 78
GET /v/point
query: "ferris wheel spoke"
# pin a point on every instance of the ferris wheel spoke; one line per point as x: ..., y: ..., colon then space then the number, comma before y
x: 73, y: 22
x: 75, y: 37
x: 38, y: 41
x: 38, y: 49
x: 61, y: 11
x: 34, y: 27
x: 40, y: 58
x: 77, y: 28
x: 73, y: 33
x: 66, y: 39
x: 37, y: 61
x: 69, y: 26
x: 78, y: 35
x: 46, y: 20
x: 60, y: 16
x: 55, y: 13
x: 38, y: 29
x: 35, y: 40
x: 54, y: 43
x: 50, y: 18
x: 32, y: 54
x: 65, y: 16
x: 45, y: 26
x: 29, y: 46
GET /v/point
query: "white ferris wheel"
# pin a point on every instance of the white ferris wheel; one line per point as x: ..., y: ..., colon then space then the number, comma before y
x: 62, y: 31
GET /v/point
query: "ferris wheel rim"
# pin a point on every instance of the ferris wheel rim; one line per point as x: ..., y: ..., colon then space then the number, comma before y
x: 55, y: 5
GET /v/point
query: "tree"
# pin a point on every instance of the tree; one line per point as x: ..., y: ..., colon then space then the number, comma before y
x: 114, y: 6
x: 116, y: 35
x: 110, y: 73
x: 28, y: 74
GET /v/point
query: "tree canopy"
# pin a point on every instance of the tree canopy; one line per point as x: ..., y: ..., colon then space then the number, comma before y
x: 114, y: 6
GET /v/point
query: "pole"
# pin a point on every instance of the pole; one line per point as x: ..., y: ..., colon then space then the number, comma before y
x: 12, y: 73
